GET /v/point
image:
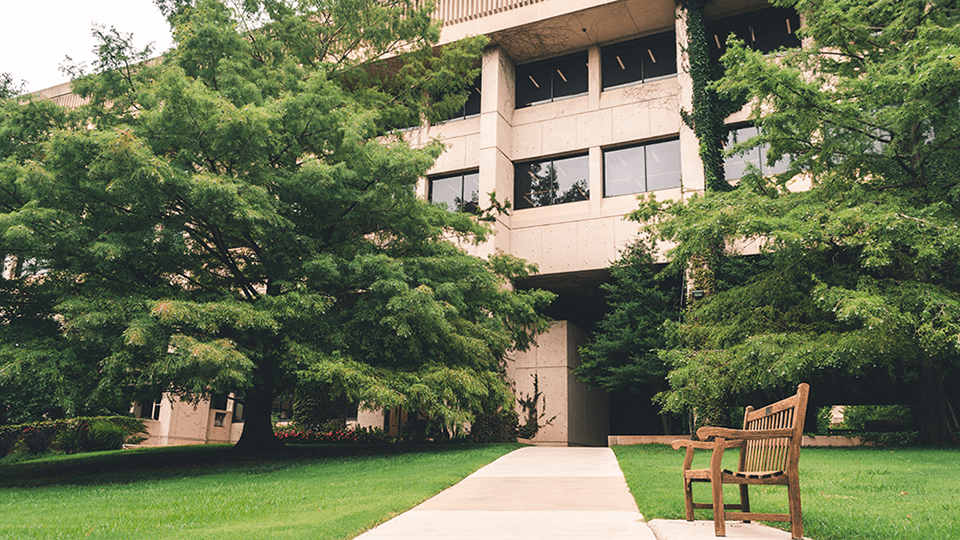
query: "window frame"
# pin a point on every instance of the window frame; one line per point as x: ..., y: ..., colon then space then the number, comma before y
x: 779, y: 167
x: 673, y: 141
x: 522, y: 201
x: 735, y: 23
x: 611, y: 49
x: 476, y: 90
x: 462, y: 175
x: 553, y: 67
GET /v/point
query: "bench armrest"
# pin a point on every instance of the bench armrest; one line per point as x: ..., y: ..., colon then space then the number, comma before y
x: 743, y: 434
x: 704, y: 445
x: 686, y: 443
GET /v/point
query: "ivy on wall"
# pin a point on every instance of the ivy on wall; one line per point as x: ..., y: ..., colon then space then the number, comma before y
x: 710, y: 108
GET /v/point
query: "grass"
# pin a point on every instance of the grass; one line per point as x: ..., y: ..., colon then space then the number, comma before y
x: 847, y: 493
x: 210, y: 492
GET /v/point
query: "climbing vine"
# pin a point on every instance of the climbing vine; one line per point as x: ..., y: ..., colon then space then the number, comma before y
x: 710, y: 108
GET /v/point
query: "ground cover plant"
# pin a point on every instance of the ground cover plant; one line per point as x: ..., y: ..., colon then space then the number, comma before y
x: 875, y: 493
x: 211, y: 492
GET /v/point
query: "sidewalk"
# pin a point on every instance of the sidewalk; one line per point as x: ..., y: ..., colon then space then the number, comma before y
x: 539, y: 492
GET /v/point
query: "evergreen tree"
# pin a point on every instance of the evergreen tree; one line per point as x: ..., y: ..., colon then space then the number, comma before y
x: 859, y: 293
x: 240, y: 216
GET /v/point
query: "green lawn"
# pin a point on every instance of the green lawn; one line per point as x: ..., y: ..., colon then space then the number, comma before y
x: 209, y: 492
x: 847, y: 493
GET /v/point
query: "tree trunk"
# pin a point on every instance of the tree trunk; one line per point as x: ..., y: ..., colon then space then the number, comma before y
x: 933, y: 415
x: 258, y: 436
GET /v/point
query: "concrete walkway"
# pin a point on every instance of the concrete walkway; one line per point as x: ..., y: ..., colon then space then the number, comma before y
x: 538, y: 492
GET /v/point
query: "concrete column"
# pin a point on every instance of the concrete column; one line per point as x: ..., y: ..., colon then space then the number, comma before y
x: 691, y: 166
x: 596, y: 181
x: 593, y: 77
x: 496, y: 141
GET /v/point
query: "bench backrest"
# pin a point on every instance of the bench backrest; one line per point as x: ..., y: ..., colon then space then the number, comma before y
x: 780, y: 454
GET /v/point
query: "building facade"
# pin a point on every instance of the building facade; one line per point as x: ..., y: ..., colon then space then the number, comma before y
x: 576, y: 113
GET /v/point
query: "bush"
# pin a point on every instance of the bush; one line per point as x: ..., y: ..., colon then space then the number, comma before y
x: 499, y: 427
x: 358, y: 435
x: 70, y: 435
x: 878, y: 417
x: 38, y: 436
x: 104, y: 435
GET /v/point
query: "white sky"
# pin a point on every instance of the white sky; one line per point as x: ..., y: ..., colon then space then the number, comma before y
x: 37, y: 35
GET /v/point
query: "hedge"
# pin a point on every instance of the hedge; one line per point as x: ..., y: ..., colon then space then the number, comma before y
x: 70, y: 435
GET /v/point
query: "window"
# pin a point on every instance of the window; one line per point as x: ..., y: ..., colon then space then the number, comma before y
x: 472, y: 107
x: 283, y: 407
x: 735, y: 166
x: 636, y: 169
x: 150, y: 411
x: 638, y: 60
x: 218, y: 402
x: 237, y: 410
x: 765, y: 30
x: 459, y: 192
x: 551, y: 181
x: 551, y: 80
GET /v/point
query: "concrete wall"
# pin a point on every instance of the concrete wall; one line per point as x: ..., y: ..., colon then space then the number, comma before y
x: 567, y: 412
x: 181, y: 422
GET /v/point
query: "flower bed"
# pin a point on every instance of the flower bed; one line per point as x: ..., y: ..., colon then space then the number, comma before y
x: 300, y: 435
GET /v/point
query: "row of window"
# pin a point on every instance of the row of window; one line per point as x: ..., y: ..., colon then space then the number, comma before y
x: 637, y: 61
x: 625, y: 63
x: 626, y: 170
x: 649, y: 58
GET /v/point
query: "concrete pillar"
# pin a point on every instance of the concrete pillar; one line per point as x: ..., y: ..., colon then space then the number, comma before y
x: 496, y: 141
x: 691, y: 166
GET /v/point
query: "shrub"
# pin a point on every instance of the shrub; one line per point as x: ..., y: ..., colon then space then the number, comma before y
x: 105, y: 435
x: 9, y: 435
x: 38, y: 436
x: 358, y: 435
x: 878, y: 417
x: 70, y: 435
x: 501, y: 426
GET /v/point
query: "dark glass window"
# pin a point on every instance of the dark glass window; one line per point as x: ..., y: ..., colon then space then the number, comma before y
x: 639, y: 60
x: 218, y: 402
x: 551, y: 181
x: 636, y: 169
x: 735, y: 166
x: 550, y: 80
x: 237, y: 410
x: 283, y: 406
x: 150, y: 411
x: 766, y: 30
x: 459, y: 192
x: 472, y: 107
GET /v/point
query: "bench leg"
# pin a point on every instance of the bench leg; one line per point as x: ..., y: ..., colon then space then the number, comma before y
x: 716, y: 482
x: 688, y: 498
x: 744, y: 500
x: 796, y: 515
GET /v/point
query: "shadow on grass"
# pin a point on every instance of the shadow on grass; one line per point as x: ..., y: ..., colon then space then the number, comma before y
x: 128, y: 466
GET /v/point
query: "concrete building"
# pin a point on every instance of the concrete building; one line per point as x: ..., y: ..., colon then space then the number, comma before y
x: 577, y: 112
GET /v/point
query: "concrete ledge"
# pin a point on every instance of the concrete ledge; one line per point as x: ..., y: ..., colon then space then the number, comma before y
x: 808, y: 440
x: 664, y: 529
x: 834, y: 440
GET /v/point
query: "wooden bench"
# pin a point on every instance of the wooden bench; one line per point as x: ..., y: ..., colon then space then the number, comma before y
x: 769, y: 446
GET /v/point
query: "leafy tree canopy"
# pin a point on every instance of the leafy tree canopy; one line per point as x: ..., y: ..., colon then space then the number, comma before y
x: 240, y: 216
x: 858, y: 287
x: 623, y: 353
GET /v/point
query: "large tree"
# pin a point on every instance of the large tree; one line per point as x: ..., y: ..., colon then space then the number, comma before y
x: 858, y: 286
x: 240, y: 216
x: 623, y: 353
